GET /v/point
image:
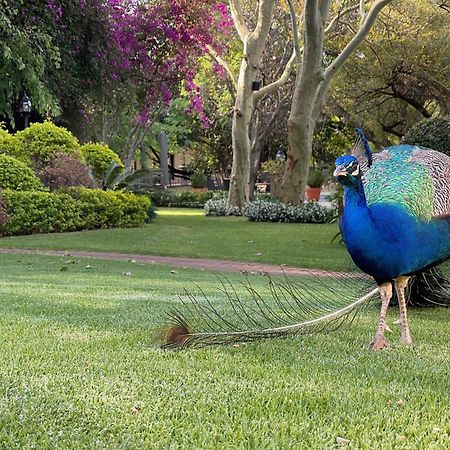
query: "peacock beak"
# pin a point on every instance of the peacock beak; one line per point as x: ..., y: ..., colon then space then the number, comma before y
x: 340, y: 171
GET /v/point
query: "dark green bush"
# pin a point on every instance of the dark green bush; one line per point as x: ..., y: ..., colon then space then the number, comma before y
x: 77, y: 209
x: 315, y: 178
x: 432, y: 133
x: 198, y: 180
x: 17, y: 176
x: 183, y: 199
x: 40, y: 142
x: 99, y: 158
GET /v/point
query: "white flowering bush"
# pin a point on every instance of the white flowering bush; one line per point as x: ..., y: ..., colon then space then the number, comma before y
x: 220, y: 207
x: 270, y: 211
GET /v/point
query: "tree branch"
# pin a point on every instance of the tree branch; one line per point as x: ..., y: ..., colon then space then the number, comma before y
x: 297, y: 51
x: 362, y: 10
x: 224, y: 64
x: 272, y: 87
x: 264, y: 18
x: 238, y: 19
x: 332, y: 25
x: 363, y: 31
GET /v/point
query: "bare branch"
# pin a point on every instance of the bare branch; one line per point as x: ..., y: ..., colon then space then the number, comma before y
x: 362, y: 10
x: 294, y: 31
x: 357, y: 39
x: 264, y: 18
x: 272, y: 87
x: 334, y: 21
x: 295, y: 58
x: 238, y: 19
x: 224, y: 64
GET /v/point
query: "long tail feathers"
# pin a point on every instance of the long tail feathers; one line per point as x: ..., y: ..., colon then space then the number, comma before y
x: 284, y: 308
x: 431, y: 287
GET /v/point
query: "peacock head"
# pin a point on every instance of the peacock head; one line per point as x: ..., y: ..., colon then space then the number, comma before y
x: 347, y: 170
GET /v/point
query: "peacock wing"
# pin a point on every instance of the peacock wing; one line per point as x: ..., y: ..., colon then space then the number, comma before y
x: 438, y: 167
x: 410, y: 176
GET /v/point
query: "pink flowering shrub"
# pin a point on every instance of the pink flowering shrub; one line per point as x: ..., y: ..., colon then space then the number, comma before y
x: 65, y: 171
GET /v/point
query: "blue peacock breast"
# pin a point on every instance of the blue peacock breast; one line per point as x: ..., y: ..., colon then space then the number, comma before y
x: 387, y: 241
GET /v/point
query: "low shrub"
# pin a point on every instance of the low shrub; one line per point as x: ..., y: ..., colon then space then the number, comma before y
x: 4, y: 216
x: 77, y: 209
x: 198, y: 180
x: 311, y: 212
x: 109, y: 209
x: 40, y: 212
x: 17, y: 176
x: 220, y: 207
x: 99, y: 158
x: 315, y: 178
x: 183, y: 199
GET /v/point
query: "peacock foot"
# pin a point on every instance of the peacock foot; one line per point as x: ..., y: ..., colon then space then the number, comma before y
x: 406, y: 339
x: 379, y: 343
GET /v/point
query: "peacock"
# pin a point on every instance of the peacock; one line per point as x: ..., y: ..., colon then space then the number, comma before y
x: 396, y: 219
x: 396, y: 227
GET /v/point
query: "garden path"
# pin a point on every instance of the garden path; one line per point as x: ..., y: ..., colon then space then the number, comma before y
x: 214, y: 265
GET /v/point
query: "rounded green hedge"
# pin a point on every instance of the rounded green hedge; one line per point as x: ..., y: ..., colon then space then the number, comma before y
x: 40, y: 142
x: 17, y: 176
x: 10, y: 145
x: 99, y: 158
x: 77, y: 209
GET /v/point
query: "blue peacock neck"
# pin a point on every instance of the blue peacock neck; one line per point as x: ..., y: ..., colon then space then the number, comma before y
x: 354, y: 194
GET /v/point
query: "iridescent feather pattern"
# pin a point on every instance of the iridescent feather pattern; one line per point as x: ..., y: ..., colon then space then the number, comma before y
x: 396, y: 178
x: 438, y: 166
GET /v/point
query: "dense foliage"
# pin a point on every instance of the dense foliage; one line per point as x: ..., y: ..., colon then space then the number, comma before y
x: 263, y: 210
x: 274, y: 211
x: 99, y: 158
x: 17, y: 176
x: 432, y: 133
x: 108, y: 209
x: 220, y: 207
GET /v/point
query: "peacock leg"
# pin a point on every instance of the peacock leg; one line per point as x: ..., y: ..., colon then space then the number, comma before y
x: 400, y: 286
x: 379, y: 342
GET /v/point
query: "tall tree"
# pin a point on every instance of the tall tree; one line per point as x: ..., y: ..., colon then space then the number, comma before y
x: 253, y: 38
x: 314, y: 75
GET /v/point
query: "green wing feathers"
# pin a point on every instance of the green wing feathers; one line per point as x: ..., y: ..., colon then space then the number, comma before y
x: 413, y: 177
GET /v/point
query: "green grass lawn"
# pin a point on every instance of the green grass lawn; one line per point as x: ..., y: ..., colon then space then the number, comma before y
x: 79, y: 369
x: 186, y: 232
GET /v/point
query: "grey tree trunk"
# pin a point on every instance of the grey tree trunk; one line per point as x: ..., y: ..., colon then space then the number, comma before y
x: 311, y: 87
x: 254, y: 42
